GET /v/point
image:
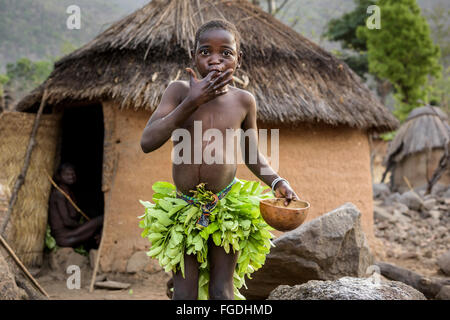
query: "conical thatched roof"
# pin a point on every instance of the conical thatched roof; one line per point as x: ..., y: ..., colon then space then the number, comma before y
x: 293, y: 79
x: 425, y: 128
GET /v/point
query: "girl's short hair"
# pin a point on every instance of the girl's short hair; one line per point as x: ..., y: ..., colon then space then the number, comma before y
x: 221, y: 25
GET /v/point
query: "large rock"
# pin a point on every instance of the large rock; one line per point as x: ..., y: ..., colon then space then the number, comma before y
x: 347, y: 288
x: 140, y: 261
x: 444, y: 294
x: 61, y: 258
x: 8, y: 287
x: 444, y: 262
x: 326, y: 248
x: 411, y: 200
x: 380, y: 214
x: 380, y: 191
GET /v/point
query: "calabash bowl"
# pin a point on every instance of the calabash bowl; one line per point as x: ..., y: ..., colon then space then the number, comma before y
x: 281, y: 217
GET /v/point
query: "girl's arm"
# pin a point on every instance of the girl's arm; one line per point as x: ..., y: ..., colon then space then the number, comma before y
x: 282, y: 189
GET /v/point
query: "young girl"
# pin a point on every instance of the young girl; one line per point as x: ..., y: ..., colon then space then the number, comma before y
x: 207, y: 228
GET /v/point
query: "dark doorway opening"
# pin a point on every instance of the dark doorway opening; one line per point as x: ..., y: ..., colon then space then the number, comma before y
x: 82, y: 145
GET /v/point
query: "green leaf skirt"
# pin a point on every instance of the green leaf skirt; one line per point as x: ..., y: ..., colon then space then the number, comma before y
x: 235, y: 223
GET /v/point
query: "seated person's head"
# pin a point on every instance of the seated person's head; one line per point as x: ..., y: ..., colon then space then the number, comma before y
x: 66, y: 174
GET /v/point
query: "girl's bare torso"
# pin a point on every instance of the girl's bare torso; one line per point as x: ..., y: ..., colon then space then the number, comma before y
x: 224, y: 112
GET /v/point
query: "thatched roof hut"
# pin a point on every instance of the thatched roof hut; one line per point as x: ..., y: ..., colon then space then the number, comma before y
x: 417, y: 148
x: 292, y: 78
x: 322, y: 108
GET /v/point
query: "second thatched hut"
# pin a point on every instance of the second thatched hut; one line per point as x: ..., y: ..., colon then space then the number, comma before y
x: 417, y: 149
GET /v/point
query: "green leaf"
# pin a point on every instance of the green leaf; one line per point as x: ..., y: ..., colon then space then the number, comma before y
x: 193, y: 210
x: 177, y: 237
x: 182, y: 263
x: 177, y: 201
x: 217, y: 238
x: 154, y: 251
x: 157, y: 227
x: 198, y: 242
x: 236, y: 188
x: 166, y: 205
x: 245, y: 188
x: 164, y: 220
x: 158, y: 196
x: 147, y: 204
x: 255, y: 187
x: 154, y: 236
x: 163, y: 187
x: 176, y: 209
x: 245, y: 224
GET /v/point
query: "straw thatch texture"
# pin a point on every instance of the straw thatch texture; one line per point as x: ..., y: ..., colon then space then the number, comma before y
x: 293, y: 79
x: 26, y: 229
x: 425, y: 129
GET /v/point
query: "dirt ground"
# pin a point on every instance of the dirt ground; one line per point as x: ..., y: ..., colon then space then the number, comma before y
x: 146, y: 286
x: 143, y: 287
x: 424, y: 266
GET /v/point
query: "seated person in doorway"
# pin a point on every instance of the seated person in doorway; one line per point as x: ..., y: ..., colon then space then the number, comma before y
x: 64, y: 219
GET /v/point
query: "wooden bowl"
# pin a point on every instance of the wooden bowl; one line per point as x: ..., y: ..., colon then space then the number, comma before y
x: 281, y: 217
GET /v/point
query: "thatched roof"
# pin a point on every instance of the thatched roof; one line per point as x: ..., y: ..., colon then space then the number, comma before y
x: 425, y: 128
x: 292, y: 78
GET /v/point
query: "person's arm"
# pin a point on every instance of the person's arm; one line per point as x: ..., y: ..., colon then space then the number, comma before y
x: 64, y: 212
x: 282, y: 189
x: 170, y: 113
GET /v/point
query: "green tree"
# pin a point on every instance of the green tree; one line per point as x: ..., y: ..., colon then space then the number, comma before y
x: 24, y: 75
x: 354, y: 53
x: 343, y: 30
x: 403, y: 52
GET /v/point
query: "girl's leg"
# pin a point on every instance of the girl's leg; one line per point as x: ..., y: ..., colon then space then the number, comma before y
x: 186, y: 288
x: 222, y: 266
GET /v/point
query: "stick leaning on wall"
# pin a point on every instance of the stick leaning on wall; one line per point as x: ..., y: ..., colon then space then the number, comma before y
x: 19, y: 182
x: 24, y: 269
x: 67, y: 197
x: 23, y: 173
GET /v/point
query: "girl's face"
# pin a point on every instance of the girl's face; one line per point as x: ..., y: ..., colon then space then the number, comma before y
x: 216, y: 50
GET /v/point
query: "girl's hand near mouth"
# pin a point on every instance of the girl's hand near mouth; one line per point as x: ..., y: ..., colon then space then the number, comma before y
x: 210, y: 87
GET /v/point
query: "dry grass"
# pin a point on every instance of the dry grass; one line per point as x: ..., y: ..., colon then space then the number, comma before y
x: 26, y: 229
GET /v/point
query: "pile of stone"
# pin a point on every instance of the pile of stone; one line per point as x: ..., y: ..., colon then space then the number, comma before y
x: 413, y: 225
x: 326, y: 248
x: 347, y: 288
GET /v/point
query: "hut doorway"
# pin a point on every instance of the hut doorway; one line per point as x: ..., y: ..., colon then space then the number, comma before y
x: 82, y: 145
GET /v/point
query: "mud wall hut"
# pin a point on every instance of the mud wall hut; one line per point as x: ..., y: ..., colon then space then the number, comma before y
x: 418, y: 147
x: 321, y: 107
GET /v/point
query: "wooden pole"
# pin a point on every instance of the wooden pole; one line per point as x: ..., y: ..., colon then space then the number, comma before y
x: 21, y: 178
x: 97, y: 259
x: 20, y: 264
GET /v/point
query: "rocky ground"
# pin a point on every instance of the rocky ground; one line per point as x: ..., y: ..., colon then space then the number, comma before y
x: 414, y: 228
